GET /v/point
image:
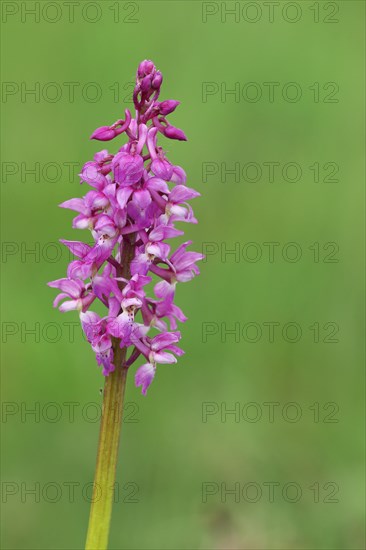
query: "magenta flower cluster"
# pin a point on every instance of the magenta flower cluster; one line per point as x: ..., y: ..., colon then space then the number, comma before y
x: 131, y: 212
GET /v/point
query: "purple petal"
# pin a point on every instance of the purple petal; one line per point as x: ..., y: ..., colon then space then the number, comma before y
x: 164, y: 358
x: 123, y: 194
x: 163, y: 289
x: 165, y: 339
x: 78, y: 248
x: 157, y: 184
x: 60, y: 297
x: 164, y: 232
x: 69, y: 305
x: 162, y: 169
x: 182, y: 193
x: 75, y: 204
x: 179, y: 176
x: 144, y: 376
x: 120, y: 326
x: 128, y: 169
x: 176, y: 350
x: 72, y: 287
x: 141, y: 198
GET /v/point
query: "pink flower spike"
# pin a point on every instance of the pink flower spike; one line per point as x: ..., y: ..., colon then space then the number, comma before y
x: 135, y: 199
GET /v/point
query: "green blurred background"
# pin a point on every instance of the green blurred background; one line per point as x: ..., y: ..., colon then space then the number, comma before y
x: 172, y: 449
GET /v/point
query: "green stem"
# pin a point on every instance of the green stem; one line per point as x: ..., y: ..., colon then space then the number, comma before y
x: 110, y: 429
x: 105, y: 471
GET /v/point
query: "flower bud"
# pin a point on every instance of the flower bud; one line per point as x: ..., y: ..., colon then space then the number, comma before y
x: 146, y: 67
x: 168, y: 106
x: 104, y: 133
x: 172, y: 132
x: 145, y: 84
x: 157, y: 80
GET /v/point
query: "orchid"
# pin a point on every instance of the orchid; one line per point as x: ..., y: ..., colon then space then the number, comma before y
x: 131, y: 205
x: 136, y: 199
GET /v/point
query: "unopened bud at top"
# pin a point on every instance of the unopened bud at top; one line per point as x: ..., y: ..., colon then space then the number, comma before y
x: 146, y: 67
